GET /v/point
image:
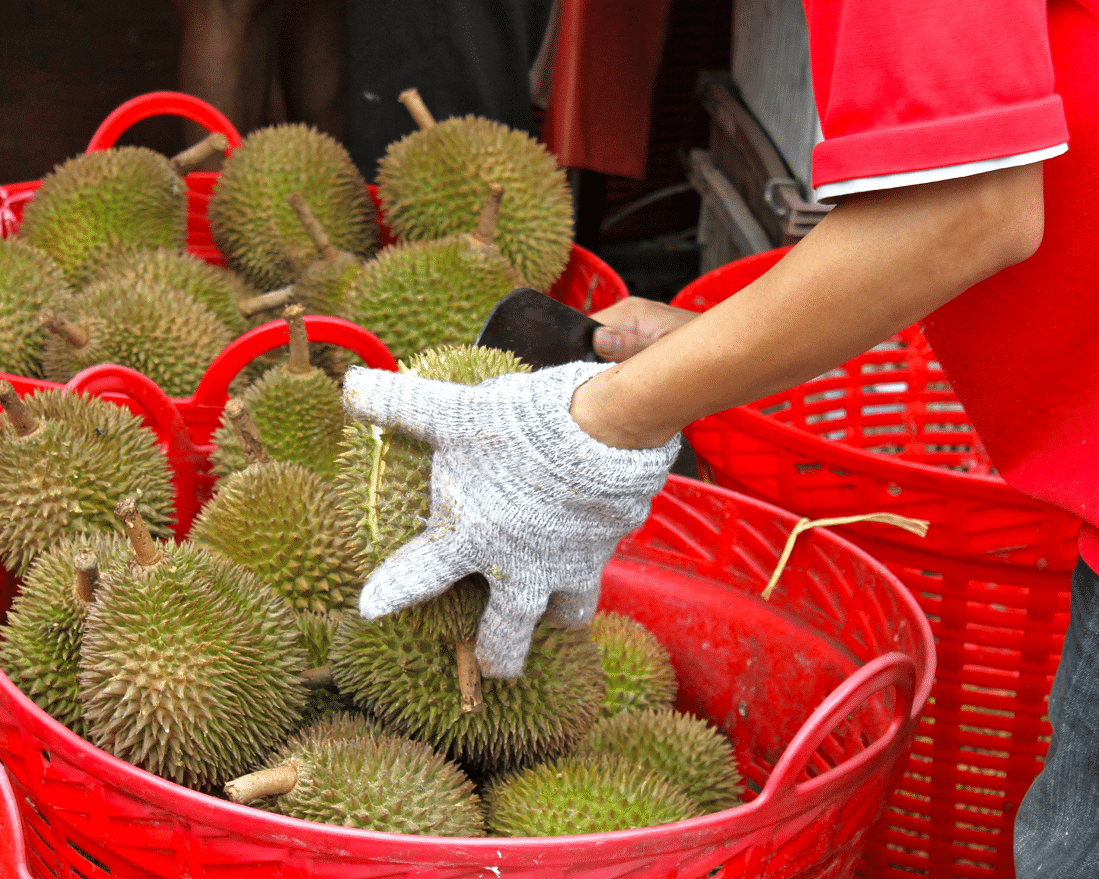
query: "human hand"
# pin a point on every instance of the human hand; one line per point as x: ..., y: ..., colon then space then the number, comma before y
x: 519, y: 493
x: 633, y: 324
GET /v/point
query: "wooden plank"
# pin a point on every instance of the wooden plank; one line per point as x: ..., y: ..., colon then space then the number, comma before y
x: 723, y: 204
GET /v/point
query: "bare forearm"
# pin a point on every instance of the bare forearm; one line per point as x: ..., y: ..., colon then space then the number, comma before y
x: 876, y: 264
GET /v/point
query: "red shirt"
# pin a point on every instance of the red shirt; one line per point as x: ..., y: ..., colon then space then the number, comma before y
x: 907, y: 87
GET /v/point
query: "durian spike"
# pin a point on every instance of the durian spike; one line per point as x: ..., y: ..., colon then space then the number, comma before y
x: 21, y: 418
x: 87, y: 575
x: 271, y: 782
x: 195, y: 155
x: 319, y: 678
x: 299, y: 364
x: 417, y: 108
x: 146, y: 551
x: 267, y: 301
x: 313, y: 227
x: 469, y: 679
x: 75, y: 335
x: 246, y: 431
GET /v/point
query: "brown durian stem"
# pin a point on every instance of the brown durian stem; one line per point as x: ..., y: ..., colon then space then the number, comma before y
x: 246, y: 430
x: 319, y: 678
x: 193, y: 156
x: 417, y: 108
x: 299, y: 340
x: 313, y: 227
x: 469, y: 679
x: 490, y: 213
x: 146, y: 551
x: 21, y: 418
x: 271, y: 782
x: 253, y: 305
x: 87, y: 575
x: 75, y: 335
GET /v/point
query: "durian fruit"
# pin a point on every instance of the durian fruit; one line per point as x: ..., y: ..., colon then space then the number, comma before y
x: 64, y: 459
x: 158, y: 329
x: 686, y: 750
x: 283, y: 522
x: 100, y: 204
x: 40, y: 649
x: 639, y: 670
x: 29, y: 278
x: 216, y: 287
x: 430, y: 184
x: 579, y: 794
x: 318, y: 629
x: 384, y: 477
x: 297, y: 409
x: 254, y: 225
x: 404, y: 669
x: 190, y: 666
x: 346, y: 772
x: 419, y: 295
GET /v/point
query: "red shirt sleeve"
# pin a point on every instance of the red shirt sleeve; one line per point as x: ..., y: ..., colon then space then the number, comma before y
x: 924, y: 84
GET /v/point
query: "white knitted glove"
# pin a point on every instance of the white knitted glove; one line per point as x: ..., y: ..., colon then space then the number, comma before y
x: 519, y: 493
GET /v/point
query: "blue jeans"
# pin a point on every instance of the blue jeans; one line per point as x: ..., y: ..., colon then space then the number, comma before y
x: 1057, y: 826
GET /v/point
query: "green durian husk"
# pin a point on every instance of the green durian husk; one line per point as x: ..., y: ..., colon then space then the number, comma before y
x: 40, y: 645
x: 98, y: 205
x: 161, y: 331
x: 317, y: 631
x: 685, y: 749
x: 350, y: 774
x: 420, y: 295
x: 639, y: 669
x: 191, y: 669
x: 29, y: 279
x: 432, y: 183
x: 384, y: 478
x: 216, y: 287
x: 252, y: 221
x: 401, y: 670
x: 67, y: 478
x: 299, y: 418
x: 580, y: 794
x: 283, y: 522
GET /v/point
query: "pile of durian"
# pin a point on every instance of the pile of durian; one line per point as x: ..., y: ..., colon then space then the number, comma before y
x: 233, y: 662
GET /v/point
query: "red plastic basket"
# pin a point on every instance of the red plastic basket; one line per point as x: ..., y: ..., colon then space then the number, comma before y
x: 820, y: 690
x: 886, y: 433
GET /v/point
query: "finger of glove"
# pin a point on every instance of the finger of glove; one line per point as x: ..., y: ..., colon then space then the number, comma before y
x: 573, y: 608
x: 423, y: 568
x: 505, y: 631
x: 431, y: 411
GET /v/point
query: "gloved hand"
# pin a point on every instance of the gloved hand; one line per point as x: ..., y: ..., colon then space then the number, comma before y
x: 519, y: 493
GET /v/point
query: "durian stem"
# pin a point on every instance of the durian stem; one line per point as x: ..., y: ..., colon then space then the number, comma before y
x: 146, y: 551
x: 319, y: 678
x: 299, y: 340
x: 87, y: 575
x: 246, y: 431
x: 266, y: 301
x: 21, y: 418
x: 417, y: 108
x: 73, y: 334
x: 193, y: 156
x: 271, y: 782
x: 469, y: 679
x: 313, y: 227
x: 490, y: 213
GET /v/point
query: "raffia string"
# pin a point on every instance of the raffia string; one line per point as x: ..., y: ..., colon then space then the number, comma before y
x: 915, y: 526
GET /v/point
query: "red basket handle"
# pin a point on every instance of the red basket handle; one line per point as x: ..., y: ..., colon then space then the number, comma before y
x: 145, y: 397
x: 213, y: 388
x: 13, y: 860
x: 162, y: 104
x: 895, y: 669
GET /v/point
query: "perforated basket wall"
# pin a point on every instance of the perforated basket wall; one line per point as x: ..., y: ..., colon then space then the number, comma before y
x: 885, y: 432
x: 819, y: 689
